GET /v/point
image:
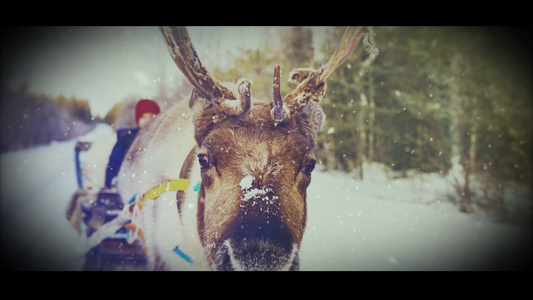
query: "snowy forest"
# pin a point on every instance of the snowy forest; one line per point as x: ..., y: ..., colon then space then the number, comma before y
x: 433, y: 95
x: 433, y: 98
x: 31, y: 120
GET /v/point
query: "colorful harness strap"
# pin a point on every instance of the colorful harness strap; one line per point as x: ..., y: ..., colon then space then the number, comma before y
x: 174, y: 185
x: 183, y: 255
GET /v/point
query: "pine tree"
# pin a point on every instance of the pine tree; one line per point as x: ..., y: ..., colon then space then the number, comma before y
x: 299, y: 47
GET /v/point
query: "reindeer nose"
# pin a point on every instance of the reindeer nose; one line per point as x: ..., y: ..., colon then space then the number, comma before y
x: 260, y: 218
x: 260, y: 245
x: 263, y: 230
x: 257, y: 237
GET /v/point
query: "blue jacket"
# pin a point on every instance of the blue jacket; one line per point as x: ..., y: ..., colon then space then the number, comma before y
x: 125, y: 138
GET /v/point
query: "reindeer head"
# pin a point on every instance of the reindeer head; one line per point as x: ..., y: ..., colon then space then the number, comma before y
x: 256, y: 159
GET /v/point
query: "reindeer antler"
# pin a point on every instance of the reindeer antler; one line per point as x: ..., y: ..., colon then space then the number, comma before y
x: 312, y: 83
x: 279, y: 111
x: 184, y: 55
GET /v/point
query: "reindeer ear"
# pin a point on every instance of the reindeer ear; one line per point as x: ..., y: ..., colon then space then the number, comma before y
x: 313, y: 115
x: 197, y: 102
x: 205, y: 114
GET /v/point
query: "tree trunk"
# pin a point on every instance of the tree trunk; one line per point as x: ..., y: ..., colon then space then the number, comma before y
x: 329, y: 154
x: 361, y: 137
x: 469, y: 165
x: 371, y: 116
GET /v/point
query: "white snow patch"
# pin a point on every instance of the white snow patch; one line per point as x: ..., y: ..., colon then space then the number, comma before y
x: 402, y: 224
x: 246, y: 182
x: 250, y: 193
x: 253, y: 193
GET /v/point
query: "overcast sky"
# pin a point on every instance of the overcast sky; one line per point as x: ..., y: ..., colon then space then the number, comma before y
x: 105, y: 65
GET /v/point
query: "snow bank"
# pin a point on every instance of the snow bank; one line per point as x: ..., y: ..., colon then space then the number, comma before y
x: 382, y: 224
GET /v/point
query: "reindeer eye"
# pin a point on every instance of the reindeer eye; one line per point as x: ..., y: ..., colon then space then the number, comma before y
x: 203, y: 161
x: 310, y: 166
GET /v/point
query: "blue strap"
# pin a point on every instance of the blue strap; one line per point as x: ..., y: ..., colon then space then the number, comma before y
x: 197, y: 186
x: 183, y: 255
x: 132, y: 199
x: 176, y: 249
x: 77, y: 163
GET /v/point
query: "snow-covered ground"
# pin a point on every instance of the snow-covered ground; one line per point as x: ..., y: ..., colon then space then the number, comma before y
x: 383, y: 224
x: 375, y: 224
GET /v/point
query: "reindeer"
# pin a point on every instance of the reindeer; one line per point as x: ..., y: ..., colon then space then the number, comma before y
x: 243, y: 206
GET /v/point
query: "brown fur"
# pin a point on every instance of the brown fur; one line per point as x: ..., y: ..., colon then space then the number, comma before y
x: 251, y: 145
x: 272, y: 223
x: 237, y: 147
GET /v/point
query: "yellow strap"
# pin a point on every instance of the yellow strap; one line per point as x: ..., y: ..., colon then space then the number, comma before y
x: 179, y: 184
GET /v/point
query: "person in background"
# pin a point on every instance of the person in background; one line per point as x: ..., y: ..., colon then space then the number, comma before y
x: 145, y: 111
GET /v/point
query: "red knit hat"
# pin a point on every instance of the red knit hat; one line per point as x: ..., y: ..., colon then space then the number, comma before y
x: 145, y: 106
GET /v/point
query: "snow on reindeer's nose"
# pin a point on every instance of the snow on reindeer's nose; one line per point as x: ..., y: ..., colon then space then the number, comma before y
x: 252, y: 190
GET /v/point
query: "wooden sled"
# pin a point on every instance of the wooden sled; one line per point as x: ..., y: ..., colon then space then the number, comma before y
x: 88, y: 211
